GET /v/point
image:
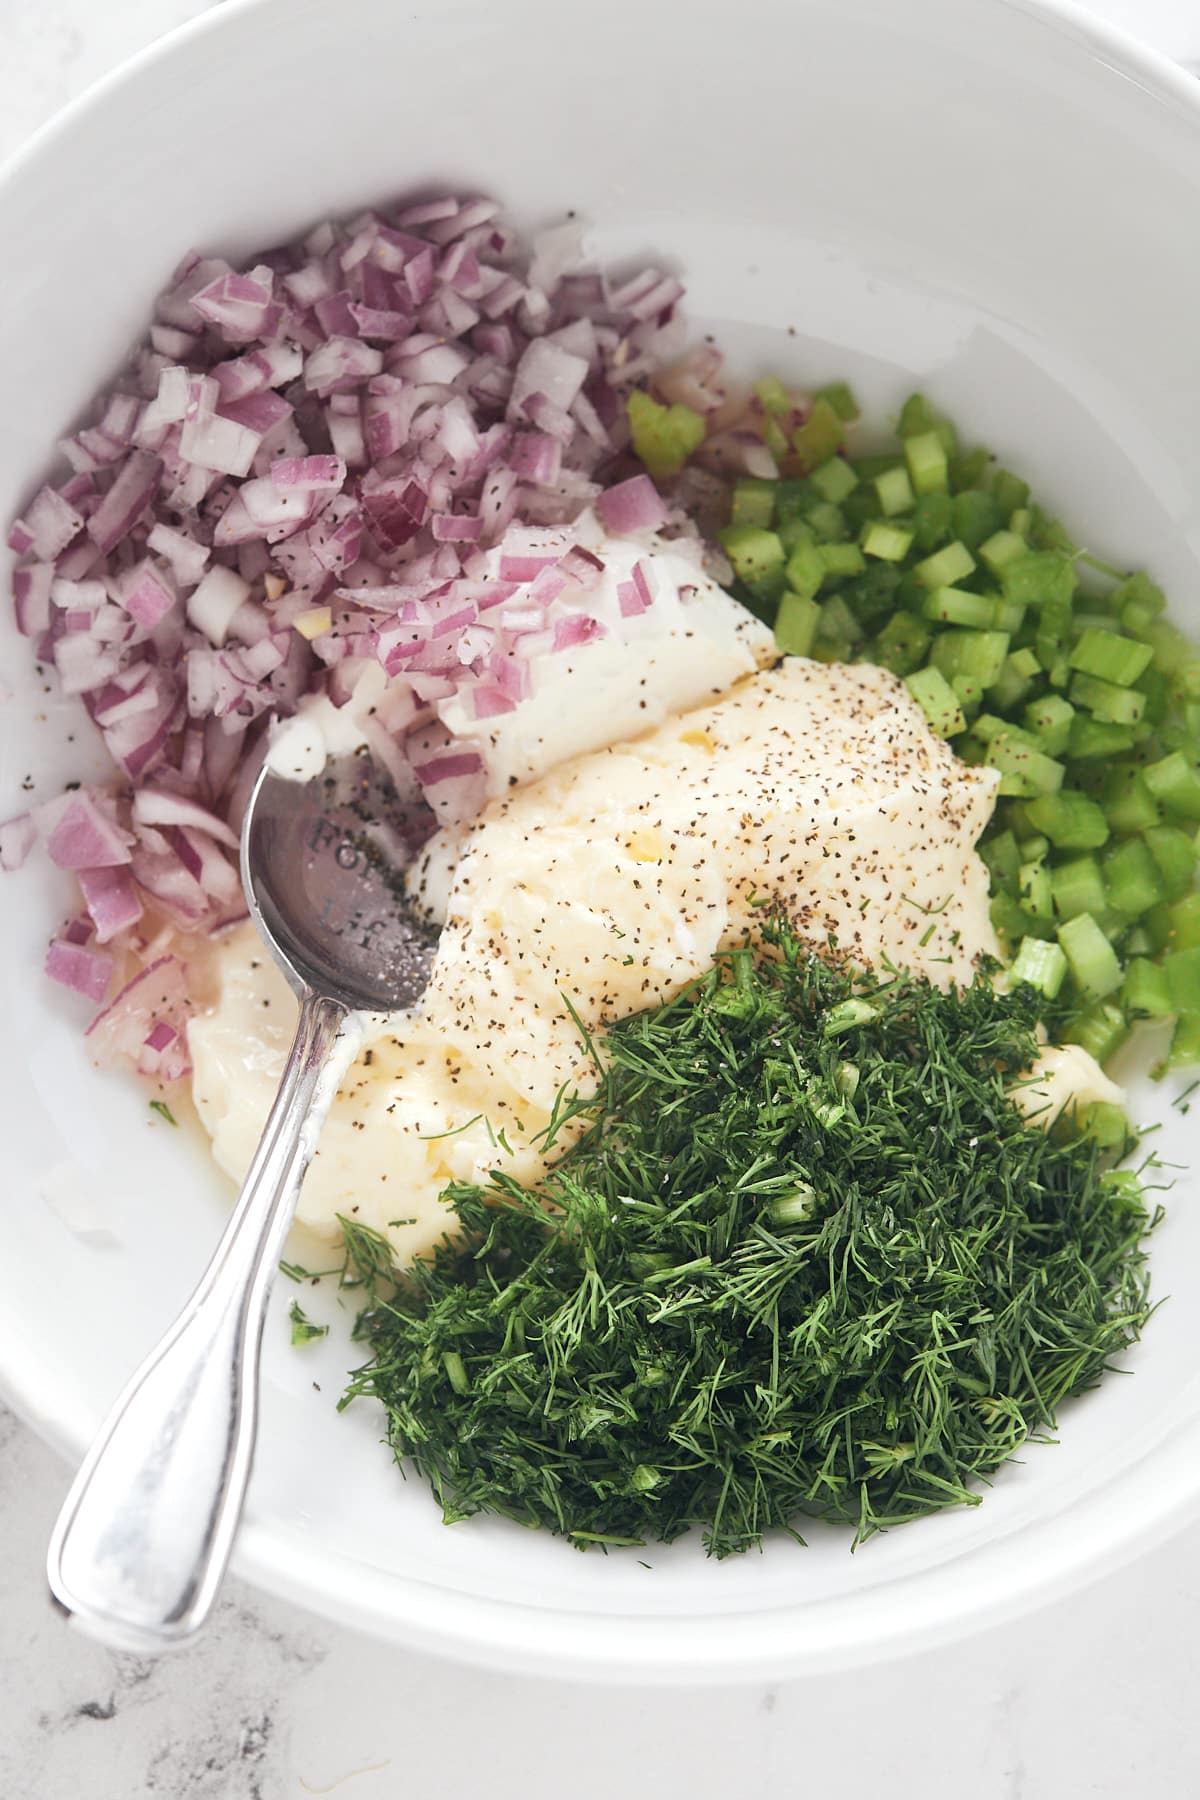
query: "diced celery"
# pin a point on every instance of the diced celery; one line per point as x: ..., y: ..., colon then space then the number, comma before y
x: 928, y: 465
x: 976, y: 517
x: 1037, y: 577
x: 1007, y: 615
x: 1002, y: 857
x: 1171, y: 648
x: 1185, y: 1045
x: 902, y: 643
x: 806, y: 566
x: 834, y: 479
x: 978, y: 654
x: 1109, y: 656
x: 1104, y: 1121
x: 1138, y: 590
x: 1092, y: 737
x: 1110, y: 704
x: 1128, y: 801
x: 970, y: 698
x: 916, y: 415
x: 753, y: 502
x: 1174, y: 854
x: 1014, y: 680
x: 891, y: 543
x: 1183, y: 923
x: 796, y: 624
x: 1132, y: 879
x: 791, y: 498
x: 1033, y: 890
x: 821, y: 434
x: 840, y: 396
x: 955, y: 606
x: 1020, y: 522
x: 1071, y: 821
x: 1041, y: 963
x: 1175, y: 785
x: 773, y: 397
x: 1182, y: 970
x: 1000, y: 549
x: 946, y: 566
x: 665, y: 436
x: 838, y: 621
x: 1012, y: 922
x: 1100, y: 1030
x: 1050, y: 721
x: 937, y: 700
x: 1157, y: 926
x: 990, y: 725
x: 895, y: 491
x: 1078, y: 887
x: 1033, y: 848
x: 841, y: 559
x: 775, y: 438
x: 1010, y: 491
x: 1146, y: 989
x: 752, y: 551
x: 1095, y: 967
x: 931, y: 519
x: 828, y: 521
x: 1037, y: 773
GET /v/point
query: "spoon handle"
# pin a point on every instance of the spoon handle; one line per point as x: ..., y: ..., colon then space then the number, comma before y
x: 143, y: 1539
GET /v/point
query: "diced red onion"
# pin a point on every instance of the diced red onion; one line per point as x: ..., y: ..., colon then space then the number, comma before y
x: 112, y: 900
x: 85, y: 971
x: 632, y: 506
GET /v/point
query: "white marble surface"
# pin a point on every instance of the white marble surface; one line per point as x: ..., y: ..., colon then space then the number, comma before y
x: 1094, y: 1697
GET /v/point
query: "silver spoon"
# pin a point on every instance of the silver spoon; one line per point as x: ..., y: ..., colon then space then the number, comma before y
x: 142, y: 1542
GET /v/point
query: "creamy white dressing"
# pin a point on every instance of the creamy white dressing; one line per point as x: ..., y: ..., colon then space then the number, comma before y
x: 612, y: 881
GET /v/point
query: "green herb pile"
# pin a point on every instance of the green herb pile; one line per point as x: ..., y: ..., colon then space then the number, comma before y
x: 1023, y: 650
x: 808, y: 1259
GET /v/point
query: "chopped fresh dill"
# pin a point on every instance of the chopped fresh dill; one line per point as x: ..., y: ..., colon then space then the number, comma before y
x: 303, y: 1329
x: 808, y: 1260
x: 164, y: 1112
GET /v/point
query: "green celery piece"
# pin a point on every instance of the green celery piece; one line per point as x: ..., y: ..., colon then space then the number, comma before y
x: 796, y: 624
x: 1071, y: 821
x: 1174, y: 854
x: 1009, y: 491
x: 1112, y: 658
x: 932, y: 520
x: 952, y: 563
x: 822, y: 433
x: 663, y: 436
x: 1000, y: 549
x: 916, y: 416
x: 902, y: 643
x: 827, y: 521
x: 1132, y: 879
x: 955, y: 606
x: 1007, y: 615
x: 1175, y: 785
x: 841, y: 559
x: 791, y: 500
x: 1003, y: 858
x: 775, y: 438
x: 968, y: 471
x: 1100, y: 1029
x: 1092, y: 737
x: 977, y: 654
x: 840, y: 396
x: 834, y: 479
x: 976, y: 517
x: 1095, y: 966
x: 773, y: 397
x: 937, y: 700
x: 895, y: 492
x: 1106, y: 1122
x: 753, y: 552
x: 1034, y: 848
x: 1033, y: 890
x: 890, y: 543
x: 1012, y: 923
x: 1157, y: 929
x: 806, y: 566
x: 753, y: 502
x: 1038, y: 577
x: 1185, y: 1044
x: 1021, y: 522
x: 970, y: 698
x: 1078, y: 887
x: 1182, y: 970
x: 1026, y: 770
x: 1138, y: 590
x: 1041, y: 963
x: 1014, y: 681
x: 1147, y: 990
x: 928, y: 465
x: 1049, y: 719
x: 1107, y: 703
x: 838, y: 623
x: 1183, y: 924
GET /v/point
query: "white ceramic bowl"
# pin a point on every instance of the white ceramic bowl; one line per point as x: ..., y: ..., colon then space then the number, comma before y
x: 995, y: 200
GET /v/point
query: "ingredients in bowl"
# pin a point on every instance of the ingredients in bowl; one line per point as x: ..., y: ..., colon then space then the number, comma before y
x: 808, y: 1260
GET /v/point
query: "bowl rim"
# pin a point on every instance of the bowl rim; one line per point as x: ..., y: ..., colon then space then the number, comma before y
x: 913, y: 1612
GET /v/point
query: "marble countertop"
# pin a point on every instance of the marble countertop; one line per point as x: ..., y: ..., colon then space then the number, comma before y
x: 1092, y: 1697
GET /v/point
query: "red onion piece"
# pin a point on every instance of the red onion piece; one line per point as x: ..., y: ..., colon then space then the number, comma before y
x: 83, y: 970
